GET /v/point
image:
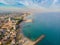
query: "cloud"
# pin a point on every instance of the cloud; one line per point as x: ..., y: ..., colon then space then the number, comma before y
x: 13, y: 3
x: 2, y: 1
x: 55, y: 4
x: 32, y: 3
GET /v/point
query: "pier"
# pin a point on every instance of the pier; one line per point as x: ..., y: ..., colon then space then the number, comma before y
x: 30, y: 42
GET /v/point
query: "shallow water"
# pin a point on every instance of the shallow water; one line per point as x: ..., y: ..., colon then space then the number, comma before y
x: 44, y: 23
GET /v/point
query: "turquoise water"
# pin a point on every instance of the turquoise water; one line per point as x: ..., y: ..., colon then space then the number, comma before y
x: 44, y: 23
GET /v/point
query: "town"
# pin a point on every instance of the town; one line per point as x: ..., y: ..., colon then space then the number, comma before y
x: 11, y: 33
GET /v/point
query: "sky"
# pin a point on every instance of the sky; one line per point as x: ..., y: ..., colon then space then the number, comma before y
x: 35, y: 4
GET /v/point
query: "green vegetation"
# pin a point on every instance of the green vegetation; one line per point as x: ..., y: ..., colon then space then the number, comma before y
x: 19, y: 21
x: 1, y: 35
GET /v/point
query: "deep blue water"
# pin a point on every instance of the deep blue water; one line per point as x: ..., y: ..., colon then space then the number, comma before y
x: 44, y: 23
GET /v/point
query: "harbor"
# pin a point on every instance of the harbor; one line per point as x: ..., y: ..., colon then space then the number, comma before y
x: 13, y: 35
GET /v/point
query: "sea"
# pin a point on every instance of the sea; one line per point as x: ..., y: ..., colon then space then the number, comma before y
x: 46, y: 23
